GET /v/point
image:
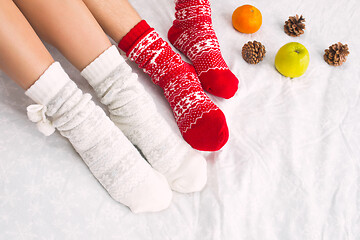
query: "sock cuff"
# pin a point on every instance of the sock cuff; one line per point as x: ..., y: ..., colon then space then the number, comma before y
x: 180, y: 4
x: 102, y: 66
x: 48, y: 85
x: 134, y: 36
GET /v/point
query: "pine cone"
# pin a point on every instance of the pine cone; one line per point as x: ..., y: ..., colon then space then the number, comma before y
x: 295, y: 26
x: 253, y: 52
x: 336, y: 54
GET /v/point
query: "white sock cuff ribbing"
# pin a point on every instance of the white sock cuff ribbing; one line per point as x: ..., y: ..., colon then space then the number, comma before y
x: 102, y: 66
x: 48, y: 85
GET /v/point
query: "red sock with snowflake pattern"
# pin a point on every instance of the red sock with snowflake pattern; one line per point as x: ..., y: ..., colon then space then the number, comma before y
x: 192, y: 33
x: 201, y: 122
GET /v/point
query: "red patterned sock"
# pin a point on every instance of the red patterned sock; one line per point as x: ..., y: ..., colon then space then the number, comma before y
x: 201, y: 122
x: 192, y: 33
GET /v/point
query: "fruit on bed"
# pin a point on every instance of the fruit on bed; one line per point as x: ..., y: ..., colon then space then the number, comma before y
x: 336, y: 54
x: 292, y: 59
x: 247, y: 19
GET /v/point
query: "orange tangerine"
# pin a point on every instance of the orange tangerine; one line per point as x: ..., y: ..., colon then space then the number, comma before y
x: 247, y: 19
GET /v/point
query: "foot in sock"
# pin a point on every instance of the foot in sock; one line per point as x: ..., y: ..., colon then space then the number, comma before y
x: 134, y: 112
x: 111, y: 158
x: 201, y: 122
x: 192, y: 33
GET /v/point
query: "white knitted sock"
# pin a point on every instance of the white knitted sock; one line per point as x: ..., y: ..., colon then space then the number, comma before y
x: 111, y: 158
x: 134, y: 112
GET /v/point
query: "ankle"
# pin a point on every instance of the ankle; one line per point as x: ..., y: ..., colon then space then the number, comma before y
x: 134, y: 36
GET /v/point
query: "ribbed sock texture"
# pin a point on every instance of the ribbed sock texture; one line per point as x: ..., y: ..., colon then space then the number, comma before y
x: 134, y: 112
x: 111, y: 158
x: 192, y: 33
x: 200, y: 121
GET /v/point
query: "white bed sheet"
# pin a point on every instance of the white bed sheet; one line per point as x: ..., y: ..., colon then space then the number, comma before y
x: 289, y: 171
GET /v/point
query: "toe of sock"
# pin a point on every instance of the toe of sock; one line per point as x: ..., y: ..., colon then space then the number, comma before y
x: 153, y: 195
x: 191, y: 176
x: 221, y: 83
x: 209, y: 133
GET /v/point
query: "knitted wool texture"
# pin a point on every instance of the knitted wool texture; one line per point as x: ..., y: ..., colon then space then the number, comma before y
x: 200, y: 121
x: 111, y: 158
x: 192, y: 33
x: 134, y: 112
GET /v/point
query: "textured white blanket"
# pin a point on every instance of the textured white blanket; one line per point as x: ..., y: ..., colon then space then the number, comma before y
x: 290, y: 171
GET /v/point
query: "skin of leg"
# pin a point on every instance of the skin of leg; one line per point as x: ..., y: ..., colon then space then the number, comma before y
x: 69, y: 26
x: 23, y: 57
x: 116, y: 17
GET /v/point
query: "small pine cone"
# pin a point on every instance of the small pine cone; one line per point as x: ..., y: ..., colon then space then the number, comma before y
x: 253, y: 52
x: 336, y: 54
x: 294, y: 26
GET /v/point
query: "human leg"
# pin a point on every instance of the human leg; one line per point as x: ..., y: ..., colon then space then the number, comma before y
x: 109, y: 155
x: 200, y: 121
x: 23, y: 57
x: 130, y: 107
x: 67, y: 25
x: 119, y: 18
x: 193, y: 34
x: 134, y: 112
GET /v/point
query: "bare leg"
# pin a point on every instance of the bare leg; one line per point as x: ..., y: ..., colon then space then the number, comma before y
x: 69, y: 26
x: 116, y: 17
x: 23, y: 57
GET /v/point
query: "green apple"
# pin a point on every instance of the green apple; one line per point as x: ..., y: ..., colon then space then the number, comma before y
x: 292, y: 60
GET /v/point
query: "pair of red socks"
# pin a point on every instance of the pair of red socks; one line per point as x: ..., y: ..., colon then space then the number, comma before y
x: 201, y: 122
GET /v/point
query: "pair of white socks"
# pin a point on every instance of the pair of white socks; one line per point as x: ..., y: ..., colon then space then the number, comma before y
x: 106, y: 146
